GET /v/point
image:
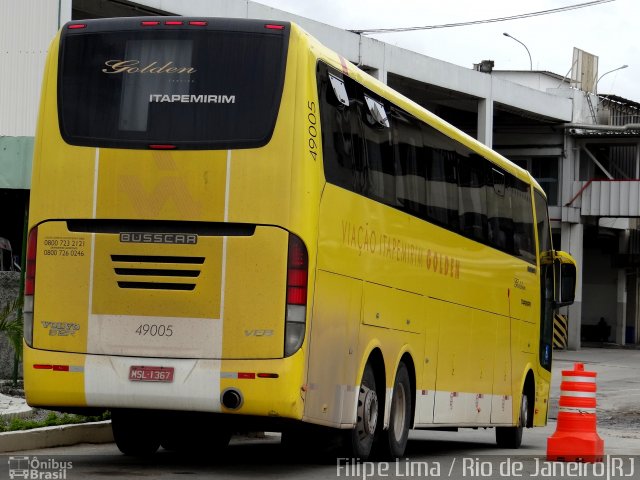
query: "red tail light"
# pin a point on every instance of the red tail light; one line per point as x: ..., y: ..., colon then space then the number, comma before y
x: 297, y: 272
x: 271, y: 26
x: 173, y: 22
x: 198, y: 23
x: 32, y: 248
x: 75, y: 26
x: 296, y: 315
x: 148, y: 23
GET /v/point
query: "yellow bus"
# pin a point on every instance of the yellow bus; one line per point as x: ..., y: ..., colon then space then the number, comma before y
x: 233, y: 228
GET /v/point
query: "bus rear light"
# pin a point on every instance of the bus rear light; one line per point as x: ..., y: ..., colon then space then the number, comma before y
x: 297, y: 279
x: 174, y: 22
x: 30, y: 286
x: 296, y: 296
x: 268, y: 375
x: 246, y: 375
x: 148, y: 23
x: 40, y: 366
x: 162, y: 147
x: 32, y: 248
x: 297, y: 272
x: 75, y: 26
x: 198, y: 23
x: 272, y: 26
x: 297, y: 253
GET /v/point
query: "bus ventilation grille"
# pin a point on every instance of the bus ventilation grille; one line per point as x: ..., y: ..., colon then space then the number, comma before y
x: 148, y: 272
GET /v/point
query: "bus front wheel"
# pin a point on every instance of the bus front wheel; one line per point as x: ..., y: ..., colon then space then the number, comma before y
x: 511, y: 437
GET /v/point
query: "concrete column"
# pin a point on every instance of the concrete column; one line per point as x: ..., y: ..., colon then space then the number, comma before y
x: 572, y: 242
x: 485, y: 121
x: 621, y: 316
x: 378, y: 73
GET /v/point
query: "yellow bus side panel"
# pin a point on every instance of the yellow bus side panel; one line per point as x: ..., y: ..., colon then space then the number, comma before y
x: 333, y: 350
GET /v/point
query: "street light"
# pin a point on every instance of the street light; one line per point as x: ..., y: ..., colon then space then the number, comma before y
x: 595, y: 88
x: 514, y: 38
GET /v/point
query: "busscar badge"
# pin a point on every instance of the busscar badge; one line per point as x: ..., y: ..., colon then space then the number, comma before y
x: 171, y: 238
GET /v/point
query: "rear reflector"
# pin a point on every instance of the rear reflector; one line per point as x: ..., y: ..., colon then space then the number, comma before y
x: 246, y: 375
x: 55, y: 368
x: 271, y: 26
x: 76, y: 26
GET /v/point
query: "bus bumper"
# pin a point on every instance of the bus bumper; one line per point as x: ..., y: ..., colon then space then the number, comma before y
x: 271, y: 388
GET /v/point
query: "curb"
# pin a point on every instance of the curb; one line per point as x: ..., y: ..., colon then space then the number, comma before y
x: 58, y: 436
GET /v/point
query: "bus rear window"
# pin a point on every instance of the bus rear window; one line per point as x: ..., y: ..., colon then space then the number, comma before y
x: 191, y: 88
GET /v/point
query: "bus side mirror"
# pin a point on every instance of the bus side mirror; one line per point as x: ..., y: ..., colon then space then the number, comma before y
x: 565, y: 284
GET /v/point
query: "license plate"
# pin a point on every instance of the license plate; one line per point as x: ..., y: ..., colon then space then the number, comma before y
x: 139, y: 373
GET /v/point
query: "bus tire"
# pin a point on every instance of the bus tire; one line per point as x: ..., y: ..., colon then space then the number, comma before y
x: 364, y: 432
x: 205, y: 437
x: 393, y: 441
x: 135, y: 434
x: 511, y: 437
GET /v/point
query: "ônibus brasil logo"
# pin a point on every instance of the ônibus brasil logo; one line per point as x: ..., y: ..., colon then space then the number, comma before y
x: 33, y: 468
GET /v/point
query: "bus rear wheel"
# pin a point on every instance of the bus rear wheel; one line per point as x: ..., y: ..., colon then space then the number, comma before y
x: 363, y: 434
x: 194, y: 433
x: 511, y: 437
x: 135, y: 433
x: 394, y: 440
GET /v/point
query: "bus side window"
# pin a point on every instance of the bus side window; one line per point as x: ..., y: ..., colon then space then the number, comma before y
x: 500, y: 223
x: 379, y: 152
x: 473, y: 199
x: 411, y: 178
x: 523, y: 236
x: 442, y: 178
x: 343, y: 155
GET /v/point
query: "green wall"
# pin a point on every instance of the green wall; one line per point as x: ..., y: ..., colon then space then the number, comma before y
x: 15, y: 162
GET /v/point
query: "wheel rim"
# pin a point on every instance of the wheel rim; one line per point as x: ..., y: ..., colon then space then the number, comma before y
x: 367, y: 412
x: 398, y: 411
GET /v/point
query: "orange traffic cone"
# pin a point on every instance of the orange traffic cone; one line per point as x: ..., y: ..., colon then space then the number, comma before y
x: 576, y: 438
